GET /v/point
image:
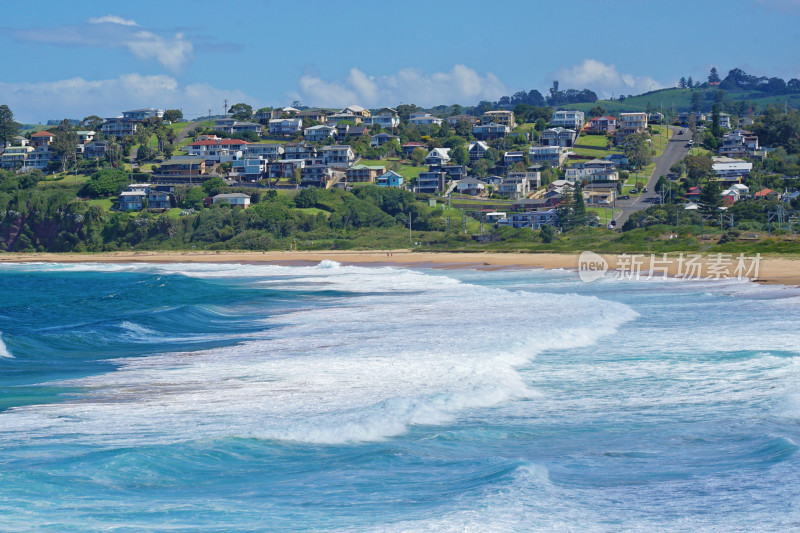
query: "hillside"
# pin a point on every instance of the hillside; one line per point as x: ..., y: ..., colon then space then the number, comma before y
x: 681, y: 100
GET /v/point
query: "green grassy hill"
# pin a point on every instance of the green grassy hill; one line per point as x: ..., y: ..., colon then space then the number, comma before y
x: 681, y: 100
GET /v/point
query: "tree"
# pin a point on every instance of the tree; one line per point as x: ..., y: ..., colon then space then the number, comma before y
x: 698, y: 167
x: 64, y: 146
x: 194, y: 198
x: 597, y: 111
x: 463, y: 129
x: 547, y: 233
x: 459, y: 155
x: 480, y: 168
x: 8, y: 127
x: 710, y: 198
x: 716, y: 129
x: 114, y: 154
x: 637, y: 149
x: 578, y: 207
x: 689, y: 82
x: 713, y: 76
x: 173, y: 115
x: 418, y: 156
x: 105, y: 182
x: 696, y: 99
x: 213, y: 185
x: 682, y: 83
x: 92, y: 122
x: 241, y: 111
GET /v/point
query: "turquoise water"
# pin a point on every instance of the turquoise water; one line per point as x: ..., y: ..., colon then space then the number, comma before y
x: 250, y: 398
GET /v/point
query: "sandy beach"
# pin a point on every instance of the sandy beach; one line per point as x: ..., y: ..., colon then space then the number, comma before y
x: 771, y: 270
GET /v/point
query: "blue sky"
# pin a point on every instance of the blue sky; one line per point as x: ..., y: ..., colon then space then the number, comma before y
x: 73, y: 59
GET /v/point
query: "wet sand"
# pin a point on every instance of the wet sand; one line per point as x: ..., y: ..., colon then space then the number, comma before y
x: 773, y: 270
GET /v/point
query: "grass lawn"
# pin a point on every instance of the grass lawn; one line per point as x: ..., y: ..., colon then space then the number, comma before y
x: 105, y: 203
x: 63, y: 178
x: 313, y: 211
x: 175, y: 212
x: 473, y: 226
x: 605, y: 214
x: 524, y: 128
x: 407, y: 171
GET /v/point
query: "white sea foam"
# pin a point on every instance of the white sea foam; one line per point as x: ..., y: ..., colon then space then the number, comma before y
x: 3, y: 349
x: 406, y: 348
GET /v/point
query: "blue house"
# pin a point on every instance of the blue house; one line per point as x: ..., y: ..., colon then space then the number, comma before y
x: 390, y: 179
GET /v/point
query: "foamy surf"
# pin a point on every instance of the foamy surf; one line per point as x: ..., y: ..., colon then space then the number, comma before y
x: 338, y: 375
x: 4, y: 349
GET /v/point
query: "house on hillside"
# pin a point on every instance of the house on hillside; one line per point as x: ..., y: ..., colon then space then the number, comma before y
x: 424, y: 119
x: 409, y: 147
x: 568, y: 119
x: 552, y: 155
x: 731, y: 170
x: 181, y: 170
x: 477, y: 150
x: 390, y: 179
x: 235, y: 199
x: 438, y: 156
x: 387, y: 118
x: 319, y: 133
x: 381, y: 138
x: 143, y: 114
x: 364, y: 173
x: 491, y: 131
x: 506, y: 118
x: 607, y: 124
x: 470, y: 186
x: 430, y: 182
x: 339, y: 155
x: 631, y: 123
x: 559, y: 136
x: 285, y: 126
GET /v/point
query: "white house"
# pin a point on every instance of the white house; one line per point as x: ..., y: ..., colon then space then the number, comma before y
x: 425, y: 119
x: 285, y: 126
x: 438, y: 156
x: 235, y: 199
x: 338, y: 155
x: 568, y: 119
x: 558, y: 137
x: 731, y: 170
x: 319, y: 133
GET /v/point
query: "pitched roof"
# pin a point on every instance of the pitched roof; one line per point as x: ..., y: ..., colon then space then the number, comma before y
x: 218, y: 142
x: 42, y: 133
x: 763, y: 192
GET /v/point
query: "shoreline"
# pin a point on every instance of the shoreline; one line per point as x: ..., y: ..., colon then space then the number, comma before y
x: 772, y: 270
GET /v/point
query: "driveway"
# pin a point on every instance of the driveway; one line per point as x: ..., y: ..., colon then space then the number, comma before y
x: 676, y: 150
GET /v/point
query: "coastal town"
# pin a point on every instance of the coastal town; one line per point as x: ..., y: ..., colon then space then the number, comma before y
x: 504, y: 164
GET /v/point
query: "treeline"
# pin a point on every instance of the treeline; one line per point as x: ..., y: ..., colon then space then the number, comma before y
x: 51, y: 218
x: 739, y: 79
x: 554, y: 98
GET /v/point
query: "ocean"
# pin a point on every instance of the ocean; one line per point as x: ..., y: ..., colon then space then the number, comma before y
x: 222, y: 397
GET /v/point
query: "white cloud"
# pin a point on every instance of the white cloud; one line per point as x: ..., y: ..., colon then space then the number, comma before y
x: 113, y: 19
x: 460, y: 85
x: 112, y: 31
x: 604, y: 79
x: 78, y: 98
x: 171, y: 53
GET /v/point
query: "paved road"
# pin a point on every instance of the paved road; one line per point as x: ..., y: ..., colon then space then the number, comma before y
x: 676, y: 149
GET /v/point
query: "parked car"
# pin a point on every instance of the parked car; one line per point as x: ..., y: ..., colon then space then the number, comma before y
x: 634, y: 191
x: 644, y: 189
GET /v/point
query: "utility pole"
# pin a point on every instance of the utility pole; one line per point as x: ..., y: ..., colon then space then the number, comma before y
x: 225, y: 109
